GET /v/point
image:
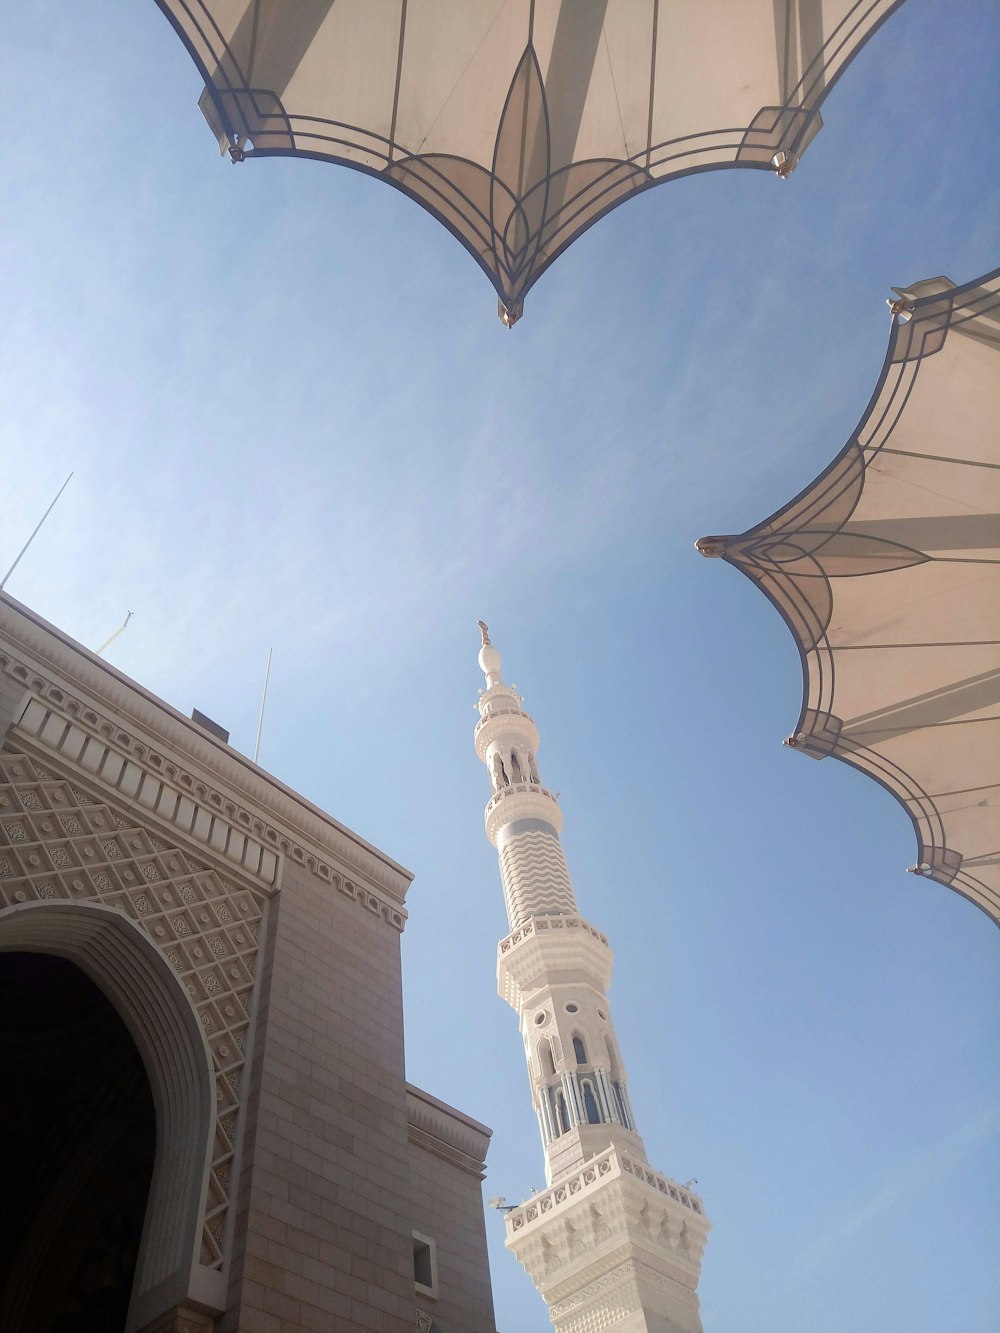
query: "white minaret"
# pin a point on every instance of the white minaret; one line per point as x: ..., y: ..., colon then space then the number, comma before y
x: 610, y: 1244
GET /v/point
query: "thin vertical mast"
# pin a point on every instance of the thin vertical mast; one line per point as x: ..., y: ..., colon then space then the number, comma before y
x: 263, y: 701
x: 35, y: 533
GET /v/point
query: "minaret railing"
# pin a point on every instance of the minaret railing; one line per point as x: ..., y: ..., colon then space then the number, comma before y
x: 501, y: 712
x: 540, y: 923
x: 518, y: 789
x: 610, y: 1162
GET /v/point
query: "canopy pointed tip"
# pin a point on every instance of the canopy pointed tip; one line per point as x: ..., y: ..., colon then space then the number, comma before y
x: 712, y: 547
x: 509, y: 314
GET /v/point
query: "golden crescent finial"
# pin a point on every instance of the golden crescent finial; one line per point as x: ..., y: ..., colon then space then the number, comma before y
x: 485, y: 631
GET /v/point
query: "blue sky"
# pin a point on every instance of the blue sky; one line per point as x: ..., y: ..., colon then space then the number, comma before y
x: 295, y: 421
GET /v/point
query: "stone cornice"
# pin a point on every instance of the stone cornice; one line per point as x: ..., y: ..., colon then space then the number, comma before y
x: 91, y: 694
x: 448, y: 1133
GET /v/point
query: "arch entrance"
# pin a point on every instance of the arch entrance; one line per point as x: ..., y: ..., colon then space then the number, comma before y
x: 108, y: 1071
x: 80, y: 1143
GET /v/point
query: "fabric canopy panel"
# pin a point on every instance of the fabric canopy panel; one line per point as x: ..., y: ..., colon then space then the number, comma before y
x: 518, y: 123
x: 887, y: 572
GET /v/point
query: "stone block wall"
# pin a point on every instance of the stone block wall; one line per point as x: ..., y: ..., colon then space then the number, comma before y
x: 447, y: 1152
x: 323, y: 1223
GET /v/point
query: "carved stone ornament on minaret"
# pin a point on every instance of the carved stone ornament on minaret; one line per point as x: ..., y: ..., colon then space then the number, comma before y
x: 610, y: 1243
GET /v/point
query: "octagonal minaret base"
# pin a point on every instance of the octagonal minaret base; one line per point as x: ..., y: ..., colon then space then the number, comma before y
x: 614, y: 1245
x: 610, y: 1244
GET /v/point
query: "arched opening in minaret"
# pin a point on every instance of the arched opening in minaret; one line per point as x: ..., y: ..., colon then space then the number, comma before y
x: 622, y: 1106
x: 562, y: 1113
x: 545, y: 1054
x: 590, y: 1103
x: 79, y: 1145
x: 579, y: 1050
x: 515, y: 767
x: 500, y: 778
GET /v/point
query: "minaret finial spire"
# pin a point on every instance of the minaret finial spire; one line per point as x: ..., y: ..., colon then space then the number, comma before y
x: 484, y: 630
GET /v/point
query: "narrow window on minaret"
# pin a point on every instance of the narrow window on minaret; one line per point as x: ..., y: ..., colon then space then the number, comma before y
x: 563, y: 1114
x: 590, y: 1103
x: 515, y: 767
x: 579, y: 1051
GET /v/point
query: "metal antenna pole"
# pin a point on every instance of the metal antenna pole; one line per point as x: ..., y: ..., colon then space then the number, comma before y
x: 263, y: 701
x: 35, y: 533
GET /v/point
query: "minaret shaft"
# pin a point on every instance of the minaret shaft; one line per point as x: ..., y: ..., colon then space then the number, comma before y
x: 533, y: 869
x: 554, y: 969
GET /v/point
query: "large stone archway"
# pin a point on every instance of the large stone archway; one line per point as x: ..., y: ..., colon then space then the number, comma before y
x: 79, y: 1147
x: 131, y: 972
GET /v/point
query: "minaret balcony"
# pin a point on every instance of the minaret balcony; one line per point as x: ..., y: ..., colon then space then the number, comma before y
x: 501, y: 722
x: 609, y: 1164
x: 613, y: 1236
x: 547, y: 950
x: 521, y: 800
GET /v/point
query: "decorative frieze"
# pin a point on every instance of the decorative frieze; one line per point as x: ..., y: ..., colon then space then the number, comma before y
x: 58, y: 842
x: 156, y: 759
x: 140, y: 773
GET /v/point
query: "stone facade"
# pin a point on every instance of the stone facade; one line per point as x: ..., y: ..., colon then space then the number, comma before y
x: 252, y: 946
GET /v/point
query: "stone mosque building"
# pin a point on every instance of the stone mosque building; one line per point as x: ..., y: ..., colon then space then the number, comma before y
x: 207, y: 1124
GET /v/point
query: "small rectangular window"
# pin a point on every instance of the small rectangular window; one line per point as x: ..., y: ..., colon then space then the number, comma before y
x: 425, y: 1265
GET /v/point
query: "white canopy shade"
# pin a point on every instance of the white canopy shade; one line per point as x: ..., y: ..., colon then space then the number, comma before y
x: 887, y: 572
x: 518, y: 123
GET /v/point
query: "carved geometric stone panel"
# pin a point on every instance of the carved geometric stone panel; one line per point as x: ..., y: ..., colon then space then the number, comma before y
x: 59, y: 842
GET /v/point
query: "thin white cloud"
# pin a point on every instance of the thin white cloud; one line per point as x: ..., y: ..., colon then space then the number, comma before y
x: 931, y: 1163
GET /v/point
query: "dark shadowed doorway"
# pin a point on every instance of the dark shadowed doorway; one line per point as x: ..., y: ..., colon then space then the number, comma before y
x: 79, y: 1133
